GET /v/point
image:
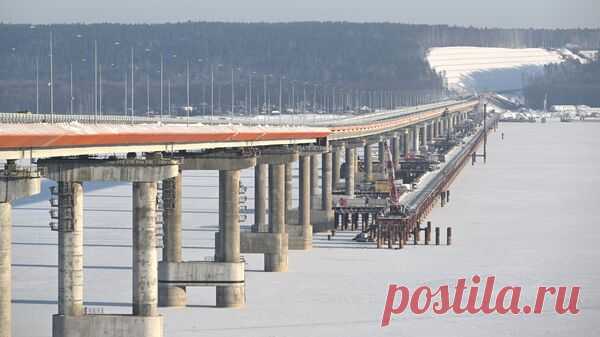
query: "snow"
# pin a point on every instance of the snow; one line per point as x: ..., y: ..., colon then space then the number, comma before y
x: 523, y: 217
x: 470, y: 69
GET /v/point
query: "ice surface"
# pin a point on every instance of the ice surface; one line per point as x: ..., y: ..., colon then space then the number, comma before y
x: 529, y: 216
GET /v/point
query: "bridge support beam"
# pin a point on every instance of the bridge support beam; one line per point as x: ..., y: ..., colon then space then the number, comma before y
x: 168, y: 295
x: 13, y: 185
x: 260, y: 198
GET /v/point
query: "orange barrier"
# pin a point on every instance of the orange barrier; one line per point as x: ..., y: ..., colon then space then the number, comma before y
x: 14, y: 136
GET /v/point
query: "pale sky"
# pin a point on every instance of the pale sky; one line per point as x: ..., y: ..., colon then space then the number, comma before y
x: 497, y: 13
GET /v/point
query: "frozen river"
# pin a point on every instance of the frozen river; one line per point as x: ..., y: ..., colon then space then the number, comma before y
x: 530, y: 217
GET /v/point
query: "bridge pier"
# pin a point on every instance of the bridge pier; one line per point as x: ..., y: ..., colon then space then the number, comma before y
x: 288, y: 188
x: 14, y: 184
x: 381, y: 153
x: 396, y: 150
x: 416, y: 140
x: 71, y: 320
x: 260, y: 198
x: 145, y: 263
x: 368, y: 154
x: 303, y: 205
x: 172, y: 296
x: 405, y: 143
x: 70, y: 248
x: 278, y: 261
x: 326, y: 188
x: 350, y: 169
x: 337, y: 151
x: 229, y: 235
x: 314, y: 180
x: 227, y: 271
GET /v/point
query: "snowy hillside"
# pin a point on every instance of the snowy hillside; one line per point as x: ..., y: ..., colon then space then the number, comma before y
x: 479, y: 68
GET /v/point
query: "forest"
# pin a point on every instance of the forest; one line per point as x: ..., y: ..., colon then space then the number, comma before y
x: 335, y: 62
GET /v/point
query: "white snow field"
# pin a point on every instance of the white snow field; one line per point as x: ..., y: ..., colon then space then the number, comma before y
x: 469, y: 69
x: 530, y: 217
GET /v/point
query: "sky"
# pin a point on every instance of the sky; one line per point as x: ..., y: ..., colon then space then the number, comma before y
x: 481, y: 13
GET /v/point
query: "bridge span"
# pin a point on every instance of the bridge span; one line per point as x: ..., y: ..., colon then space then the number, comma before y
x: 151, y: 154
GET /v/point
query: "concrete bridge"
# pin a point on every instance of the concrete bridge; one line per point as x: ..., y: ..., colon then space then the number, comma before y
x: 152, y: 154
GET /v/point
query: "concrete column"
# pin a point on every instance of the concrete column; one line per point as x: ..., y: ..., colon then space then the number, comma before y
x: 405, y: 142
x: 381, y: 153
x: 288, y: 187
x: 145, y: 265
x: 425, y: 135
x: 277, y: 262
x: 368, y: 162
x: 350, y: 168
x: 336, y: 166
x: 260, y: 198
x: 314, y: 178
x: 70, y: 249
x: 326, y: 192
x: 229, y: 234
x: 304, y: 200
x: 172, y: 296
x: 416, y: 141
x: 5, y: 269
x: 396, y: 152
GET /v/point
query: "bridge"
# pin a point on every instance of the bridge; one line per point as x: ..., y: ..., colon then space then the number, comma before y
x: 151, y: 154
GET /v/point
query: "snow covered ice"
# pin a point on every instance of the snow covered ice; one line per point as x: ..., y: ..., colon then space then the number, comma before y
x: 529, y: 216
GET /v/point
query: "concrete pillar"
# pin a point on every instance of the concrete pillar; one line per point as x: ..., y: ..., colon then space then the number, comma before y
x: 288, y: 187
x: 368, y: 162
x: 304, y: 200
x: 336, y: 166
x: 405, y: 142
x: 172, y: 296
x: 70, y: 248
x: 145, y: 264
x: 425, y: 136
x: 277, y: 262
x: 314, y: 178
x: 350, y: 168
x: 229, y: 234
x: 416, y: 141
x: 260, y: 198
x: 396, y: 151
x: 326, y: 192
x: 5, y: 269
x: 381, y: 153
